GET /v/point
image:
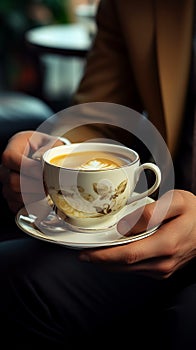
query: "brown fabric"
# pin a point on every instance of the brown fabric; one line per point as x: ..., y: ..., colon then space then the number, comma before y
x: 194, y: 130
x: 194, y: 158
x: 142, y: 46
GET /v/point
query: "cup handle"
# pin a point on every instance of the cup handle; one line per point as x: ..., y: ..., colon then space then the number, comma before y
x: 157, y: 172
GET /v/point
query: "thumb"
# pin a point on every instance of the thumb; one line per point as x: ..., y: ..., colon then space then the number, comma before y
x: 148, y: 216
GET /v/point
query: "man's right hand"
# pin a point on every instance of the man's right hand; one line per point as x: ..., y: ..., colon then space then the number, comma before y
x: 20, y: 174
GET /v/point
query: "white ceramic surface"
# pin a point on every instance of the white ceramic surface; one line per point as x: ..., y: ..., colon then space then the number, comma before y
x: 59, y: 234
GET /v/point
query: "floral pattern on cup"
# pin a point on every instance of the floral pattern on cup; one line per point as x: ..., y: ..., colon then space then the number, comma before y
x: 78, y: 203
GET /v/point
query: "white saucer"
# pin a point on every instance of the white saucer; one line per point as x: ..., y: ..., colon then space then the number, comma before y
x: 64, y: 236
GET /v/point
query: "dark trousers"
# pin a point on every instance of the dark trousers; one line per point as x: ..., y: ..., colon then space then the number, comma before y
x: 48, y: 297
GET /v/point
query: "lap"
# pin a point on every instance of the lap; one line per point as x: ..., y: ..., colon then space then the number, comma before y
x: 56, y: 294
x: 49, y: 295
x: 179, y: 314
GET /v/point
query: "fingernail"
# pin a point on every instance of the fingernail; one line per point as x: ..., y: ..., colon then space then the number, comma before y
x: 84, y: 257
x: 37, y: 156
x: 123, y: 227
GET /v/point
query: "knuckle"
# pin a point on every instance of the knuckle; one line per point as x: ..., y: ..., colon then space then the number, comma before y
x: 13, y: 182
x: 131, y: 258
x: 147, y: 213
x: 6, y: 157
x: 166, y: 268
x: 171, y: 247
x: 179, y: 198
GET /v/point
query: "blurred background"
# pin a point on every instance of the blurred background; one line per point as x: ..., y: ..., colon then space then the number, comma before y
x: 51, y: 77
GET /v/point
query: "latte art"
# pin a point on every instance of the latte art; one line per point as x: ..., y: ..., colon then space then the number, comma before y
x: 91, y: 161
x: 98, y: 164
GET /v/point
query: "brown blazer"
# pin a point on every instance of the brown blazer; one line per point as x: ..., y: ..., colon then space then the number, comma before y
x: 141, y: 59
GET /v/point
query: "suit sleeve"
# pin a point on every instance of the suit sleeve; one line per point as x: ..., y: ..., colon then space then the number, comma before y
x: 107, y: 76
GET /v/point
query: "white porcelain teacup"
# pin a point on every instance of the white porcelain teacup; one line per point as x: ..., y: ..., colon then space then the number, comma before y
x: 90, y: 183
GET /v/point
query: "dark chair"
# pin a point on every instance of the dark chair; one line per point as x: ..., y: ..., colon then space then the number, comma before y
x: 18, y: 112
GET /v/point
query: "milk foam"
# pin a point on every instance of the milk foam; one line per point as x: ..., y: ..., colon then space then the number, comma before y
x: 98, y: 164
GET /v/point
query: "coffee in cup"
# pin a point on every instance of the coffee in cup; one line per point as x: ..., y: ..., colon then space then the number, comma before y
x: 90, y: 160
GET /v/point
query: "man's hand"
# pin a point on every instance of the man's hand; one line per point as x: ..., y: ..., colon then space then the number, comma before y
x: 161, y: 254
x: 20, y: 174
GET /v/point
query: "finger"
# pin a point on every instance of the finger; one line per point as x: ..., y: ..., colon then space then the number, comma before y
x: 159, y: 244
x: 39, y: 140
x: 17, y: 146
x: 4, y: 173
x: 17, y: 182
x: 13, y: 199
x: 20, y: 199
x: 161, y: 266
x: 30, y: 185
x: 15, y: 206
x: 38, y: 154
x: 19, y: 163
x: 17, y: 155
x: 146, y: 269
x: 168, y: 206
